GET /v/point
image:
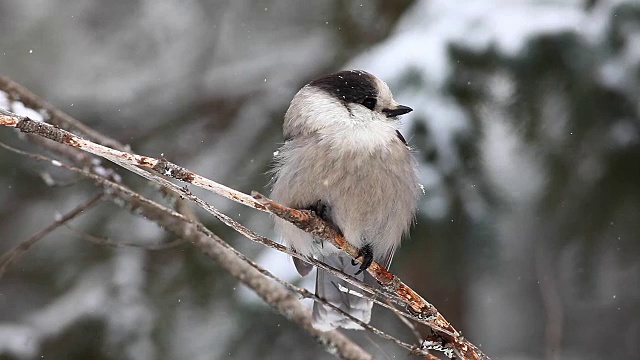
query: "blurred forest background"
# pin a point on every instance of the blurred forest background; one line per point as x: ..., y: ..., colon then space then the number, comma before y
x: 526, y: 126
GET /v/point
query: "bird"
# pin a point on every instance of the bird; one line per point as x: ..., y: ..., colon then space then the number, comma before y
x: 344, y: 158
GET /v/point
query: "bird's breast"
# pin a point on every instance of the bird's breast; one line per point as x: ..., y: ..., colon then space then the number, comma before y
x: 362, y: 138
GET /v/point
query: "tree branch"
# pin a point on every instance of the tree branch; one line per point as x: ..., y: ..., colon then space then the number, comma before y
x: 9, y: 257
x: 56, y: 116
x: 232, y: 261
x: 447, y: 340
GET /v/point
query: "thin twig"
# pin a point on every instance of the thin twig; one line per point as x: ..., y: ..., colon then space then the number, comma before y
x: 114, y: 244
x: 552, y: 301
x: 408, y: 323
x: 8, y: 258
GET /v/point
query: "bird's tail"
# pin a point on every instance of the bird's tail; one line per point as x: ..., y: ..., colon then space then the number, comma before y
x: 343, y: 295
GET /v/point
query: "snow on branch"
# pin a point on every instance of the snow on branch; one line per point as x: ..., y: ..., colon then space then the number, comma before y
x: 445, y: 337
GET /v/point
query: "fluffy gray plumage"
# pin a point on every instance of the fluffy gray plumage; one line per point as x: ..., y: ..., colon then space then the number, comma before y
x: 344, y: 155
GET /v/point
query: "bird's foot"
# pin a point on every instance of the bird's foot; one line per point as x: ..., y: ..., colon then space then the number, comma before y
x: 366, y: 253
x: 322, y: 210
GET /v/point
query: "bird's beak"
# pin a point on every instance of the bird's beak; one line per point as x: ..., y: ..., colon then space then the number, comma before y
x: 398, y: 110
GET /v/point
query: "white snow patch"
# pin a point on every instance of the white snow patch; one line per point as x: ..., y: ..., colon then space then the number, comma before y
x: 18, y: 340
x: 421, y: 40
x: 202, y: 334
x: 624, y: 133
x: 511, y: 166
x: 18, y: 108
x: 346, y: 290
x: 87, y: 298
x: 280, y: 265
x: 435, y: 203
x: 4, y: 100
x: 102, y: 171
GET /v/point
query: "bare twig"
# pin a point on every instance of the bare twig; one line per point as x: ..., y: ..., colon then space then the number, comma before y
x: 115, y: 244
x: 8, y: 258
x: 408, y: 323
x: 552, y: 301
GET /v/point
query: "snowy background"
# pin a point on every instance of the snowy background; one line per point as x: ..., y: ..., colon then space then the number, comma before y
x: 526, y: 125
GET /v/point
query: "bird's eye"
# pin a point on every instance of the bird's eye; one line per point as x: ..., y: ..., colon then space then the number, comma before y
x: 369, y: 103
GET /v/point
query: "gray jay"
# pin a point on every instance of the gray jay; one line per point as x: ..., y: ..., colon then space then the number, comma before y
x: 344, y: 158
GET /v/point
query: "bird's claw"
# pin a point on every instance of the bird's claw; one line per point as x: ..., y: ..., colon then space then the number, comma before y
x: 367, y: 258
x: 321, y: 210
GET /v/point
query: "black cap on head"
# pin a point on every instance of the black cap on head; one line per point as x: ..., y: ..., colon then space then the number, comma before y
x: 350, y: 86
